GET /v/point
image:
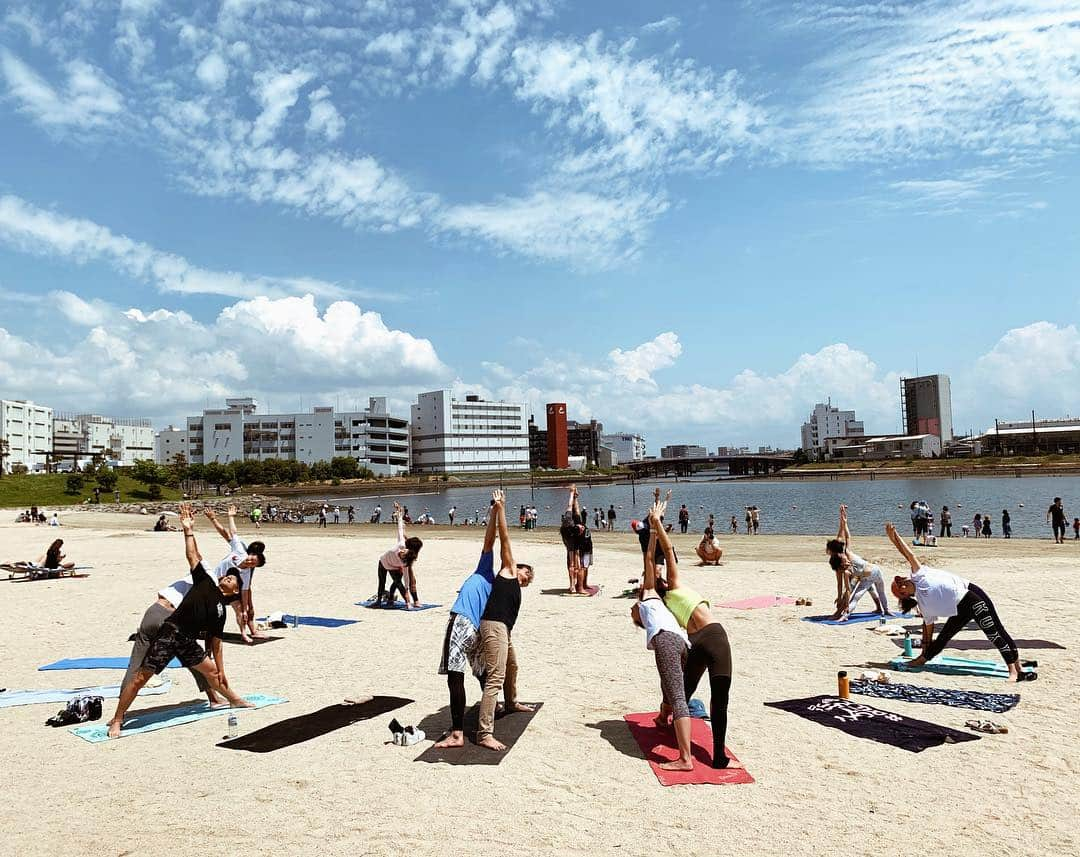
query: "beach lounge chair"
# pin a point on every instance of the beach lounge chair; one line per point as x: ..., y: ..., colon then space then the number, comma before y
x: 32, y: 571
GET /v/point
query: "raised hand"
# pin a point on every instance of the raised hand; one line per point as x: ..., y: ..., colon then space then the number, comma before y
x: 187, y: 516
x: 498, y: 496
x: 890, y: 530
x: 209, y: 512
x: 232, y: 511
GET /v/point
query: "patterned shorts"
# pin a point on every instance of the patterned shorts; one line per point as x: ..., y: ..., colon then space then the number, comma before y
x: 170, y: 643
x: 460, y: 651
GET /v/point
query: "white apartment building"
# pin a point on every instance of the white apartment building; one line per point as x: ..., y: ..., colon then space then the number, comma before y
x: 627, y: 447
x: 374, y: 437
x: 470, y: 436
x: 828, y: 422
x: 170, y: 442
x: 78, y: 438
x: 28, y: 430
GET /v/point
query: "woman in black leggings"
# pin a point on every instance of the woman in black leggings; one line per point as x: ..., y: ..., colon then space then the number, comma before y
x: 942, y: 594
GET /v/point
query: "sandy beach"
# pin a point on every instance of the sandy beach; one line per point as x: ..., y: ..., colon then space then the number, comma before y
x: 575, y: 783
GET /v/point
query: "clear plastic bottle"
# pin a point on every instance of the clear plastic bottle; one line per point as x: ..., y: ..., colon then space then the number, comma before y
x: 234, y: 724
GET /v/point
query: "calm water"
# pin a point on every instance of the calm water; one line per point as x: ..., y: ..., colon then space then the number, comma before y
x: 786, y: 507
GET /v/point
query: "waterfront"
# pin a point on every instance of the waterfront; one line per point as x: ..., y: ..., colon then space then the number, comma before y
x: 790, y: 508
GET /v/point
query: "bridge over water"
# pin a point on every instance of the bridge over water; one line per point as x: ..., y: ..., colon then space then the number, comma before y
x: 737, y: 465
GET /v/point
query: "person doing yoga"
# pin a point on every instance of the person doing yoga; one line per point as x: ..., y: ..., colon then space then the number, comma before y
x: 570, y: 531
x: 709, y: 647
x: 669, y: 645
x: 246, y: 557
x: 940, y: 594
x: 200, y: 613
x: 398, y: 562
x: 854, y: 575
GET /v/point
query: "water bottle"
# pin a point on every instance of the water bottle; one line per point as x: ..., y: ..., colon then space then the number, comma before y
x: 843, y: 685
x: 234, y: 725
x: 881, y: 621
x: 909, y: 651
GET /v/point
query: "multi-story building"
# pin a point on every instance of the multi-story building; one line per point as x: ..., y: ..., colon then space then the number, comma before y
x: 926, y: 402
x: 28, y: 430
x: 828, y: 422
x: 558, y: 451
x: 627, y: 447
x: 904, y: 446
x: 470, y: 436
x: 169, y: 443
x: 375, y: 438
x: 725, y: 451
x: 683, y: 450
x: 79, y: 438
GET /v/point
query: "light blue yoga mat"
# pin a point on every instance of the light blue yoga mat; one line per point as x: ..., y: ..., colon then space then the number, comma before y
x: 97, y: 664
x: 853, y: 619
x: 315, y: 621
x: 955, y: 666
x: 136, y: 724
x: 11, y: 698
x: 372, y: 604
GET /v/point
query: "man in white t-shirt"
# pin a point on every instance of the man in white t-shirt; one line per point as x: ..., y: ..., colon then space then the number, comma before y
x: 943, y: 595
x: 244, y: 558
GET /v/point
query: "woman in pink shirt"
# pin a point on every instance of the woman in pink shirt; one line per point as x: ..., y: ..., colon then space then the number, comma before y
x: 398, y: 563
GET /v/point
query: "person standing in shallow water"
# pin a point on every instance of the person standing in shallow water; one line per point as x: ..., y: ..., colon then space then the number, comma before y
x: 1056, y: 517
x: 946, y: 522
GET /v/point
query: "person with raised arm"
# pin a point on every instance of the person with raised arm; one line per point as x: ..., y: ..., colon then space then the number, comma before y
x: 201, y: 612
x: 460, y: 644
x: 669, y: 645
x: 398, y: 563
x: 854, y: 575
x: 943, y: 595
x: 709, y: 647
x: 496, y: 643
x: 246, y: 557
x: 568, y: 532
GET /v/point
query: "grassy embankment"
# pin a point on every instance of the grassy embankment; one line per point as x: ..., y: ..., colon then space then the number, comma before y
x: 48, y: 490
x: 1042, y: 465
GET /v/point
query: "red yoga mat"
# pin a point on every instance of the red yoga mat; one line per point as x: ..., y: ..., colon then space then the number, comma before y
x: 658, y: 745
x: 758, y: 601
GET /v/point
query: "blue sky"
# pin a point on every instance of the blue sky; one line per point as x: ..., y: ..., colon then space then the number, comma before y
x: 691, y: 220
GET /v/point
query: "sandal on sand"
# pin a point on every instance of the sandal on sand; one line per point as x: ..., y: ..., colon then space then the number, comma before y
x: 1030, y: 675
x: 987, y: 726
x: 799, y: 602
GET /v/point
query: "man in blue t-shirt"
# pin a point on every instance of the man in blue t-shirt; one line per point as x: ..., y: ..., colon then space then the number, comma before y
x: 463, y: 628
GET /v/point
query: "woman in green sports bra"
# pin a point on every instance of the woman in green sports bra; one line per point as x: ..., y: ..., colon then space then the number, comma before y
x: 709, y: 648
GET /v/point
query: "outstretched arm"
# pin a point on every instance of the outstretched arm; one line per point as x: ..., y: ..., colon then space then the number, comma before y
x: 232, y: 523
x: 187, y: 524
x: 212, y: 518
x: 489, y: 535
x: 901, y: 546
x: 649, y: 580
x: 844, y: 534
x: 656, y: 526
x: 505, y: 551
x: 400, y: 515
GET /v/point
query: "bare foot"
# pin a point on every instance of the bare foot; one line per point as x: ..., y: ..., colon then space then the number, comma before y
x: 678, y: 765
x: 247, y: 639
x: 661, y: 721
x: 243, y: 703
x: 259, y: 635
x: 454, y: 739
x: 219, y: 705
x: 521, y: 706
x: 491, y: 743
x: 114, y: 728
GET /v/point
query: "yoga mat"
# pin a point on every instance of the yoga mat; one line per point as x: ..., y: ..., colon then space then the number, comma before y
x: 315, y: 621
x: 955, y: 666
x: 233, y: 637
x: 997, y: 703
x: 136, y: 724
x: 564, y: 593
x: 757, y: 602
x: 11, y: 698
x: 372, y: 604
x: 864, y: 721
x: 853, y: 619
x: 659, y: 746
x: 508, y: 729
x: 97, y: 664
x: 984, y: 645
x: 296, y: 730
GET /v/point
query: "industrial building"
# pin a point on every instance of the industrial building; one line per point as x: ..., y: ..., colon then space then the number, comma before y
x: 926, y: 403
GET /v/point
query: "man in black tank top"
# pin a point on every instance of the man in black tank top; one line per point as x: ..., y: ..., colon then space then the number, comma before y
x: 496, y: 648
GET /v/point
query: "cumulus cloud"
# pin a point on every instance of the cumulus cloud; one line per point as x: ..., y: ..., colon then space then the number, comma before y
x: 324, y: 117
x: 212, y: 71
x: 1033, y: 367
x: 87, y: 99
x: 638, y: 364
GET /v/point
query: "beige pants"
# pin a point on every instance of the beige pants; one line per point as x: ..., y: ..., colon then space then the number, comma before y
x: 500, y: 671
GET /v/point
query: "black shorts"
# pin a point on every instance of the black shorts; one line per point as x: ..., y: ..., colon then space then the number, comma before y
x: 170, y: 643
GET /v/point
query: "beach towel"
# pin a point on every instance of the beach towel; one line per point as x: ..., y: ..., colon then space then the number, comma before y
x: 659, y: 746
x: 296, y: 730
x: 757, y: 602
x: 315, y: 621
x: 863, y: 721
x: 946, y: 665
x: 151, y: 721
x: 508, y: 729
x: 97, y: 664
x: 373, y: 604
x: 12, y: 698
x: 853, y: 619
x: 998, y: 703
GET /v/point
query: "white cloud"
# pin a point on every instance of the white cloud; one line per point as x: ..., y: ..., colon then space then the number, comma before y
x: 33, y: 229
x: 213, y: 71
x: 324, y: 117
x: 638, y: 364
x: 277, y: 93
x: 667, y: 24
x: 88, y: 99
x: 1032, y: 367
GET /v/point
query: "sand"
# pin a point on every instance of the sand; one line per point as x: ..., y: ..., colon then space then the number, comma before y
x: 575, y: 783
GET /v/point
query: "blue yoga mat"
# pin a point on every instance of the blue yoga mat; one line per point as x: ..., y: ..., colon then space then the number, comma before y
x: 372, y: 604
x: 136, y: 724
x: 319, y: 621
x: 11, y: 698
x: 955, y: 666
x: 854, y: 619
x: 97, y: 664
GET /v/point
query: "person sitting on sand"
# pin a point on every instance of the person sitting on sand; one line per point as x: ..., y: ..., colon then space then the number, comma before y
x: 398, y: 562
x: 162, y: 525
x: 940, y: 594
x: 53, y: 558
x: 200, y: 613
x: 708, y: 549
x: 854, y: 575
x: 496, y: 646
x: 670, y: 646
x: 460, y: 644
x: 709, y: 647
